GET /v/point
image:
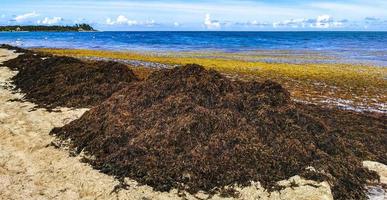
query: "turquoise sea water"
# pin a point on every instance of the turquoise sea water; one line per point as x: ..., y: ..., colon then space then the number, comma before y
x: 363, y: 47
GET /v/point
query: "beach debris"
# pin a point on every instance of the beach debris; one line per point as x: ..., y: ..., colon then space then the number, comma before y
x: 52, y: 81
x: 196, y: 130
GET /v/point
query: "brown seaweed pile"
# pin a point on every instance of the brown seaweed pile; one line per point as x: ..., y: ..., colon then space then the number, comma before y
x: 193, y: 129
x: 14, y: 48
x: 52, y: 81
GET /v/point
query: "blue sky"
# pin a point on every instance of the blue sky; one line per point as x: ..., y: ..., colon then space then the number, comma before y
x: 189, y: 15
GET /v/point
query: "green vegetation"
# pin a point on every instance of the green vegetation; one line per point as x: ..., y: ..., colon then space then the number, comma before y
x: 76, y: 27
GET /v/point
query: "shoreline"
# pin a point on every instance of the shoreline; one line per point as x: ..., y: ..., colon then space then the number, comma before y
x: 351, y: 87
x: 29, y: 164
x: 17, y: 117
x: 273, y: 56
x: 31, y: 168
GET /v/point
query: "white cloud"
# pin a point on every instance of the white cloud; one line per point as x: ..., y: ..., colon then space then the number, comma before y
x: 109, y: 21
x: 211, y: 24
x: 123, y: 20
x: 25, y: 16
x: 250, y: 24
x: 256, y: 23
x: 149, y: 23
x: 324, y: 21
x: 293, y: 23
x: 321, y: 22
x: 49, y: 21
x: 176, y: 24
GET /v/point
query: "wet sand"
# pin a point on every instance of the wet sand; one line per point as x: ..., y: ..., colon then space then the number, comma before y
x: 32, y: 169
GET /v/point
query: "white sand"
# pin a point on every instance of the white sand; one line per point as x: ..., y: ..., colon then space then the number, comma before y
x: 377, y: 192
x: 30, y: 169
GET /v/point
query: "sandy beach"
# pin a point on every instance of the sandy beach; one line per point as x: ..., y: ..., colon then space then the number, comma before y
x: 193, y: 100
x: 31, y: 168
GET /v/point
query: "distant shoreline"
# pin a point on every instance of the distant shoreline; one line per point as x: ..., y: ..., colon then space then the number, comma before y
x: 51, y: 31
x: 35, y: 28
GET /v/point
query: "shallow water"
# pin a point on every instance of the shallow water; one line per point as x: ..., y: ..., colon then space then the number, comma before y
x: 355, y: 47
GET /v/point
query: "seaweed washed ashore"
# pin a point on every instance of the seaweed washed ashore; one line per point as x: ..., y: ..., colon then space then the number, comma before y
x: 348, y: 86
x: 52, y: 81
x: 234, y: 133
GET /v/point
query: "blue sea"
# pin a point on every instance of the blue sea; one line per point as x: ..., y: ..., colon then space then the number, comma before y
x: 362, y: 47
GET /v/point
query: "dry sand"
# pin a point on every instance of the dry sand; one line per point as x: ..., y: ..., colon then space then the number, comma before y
x: 32, y: 169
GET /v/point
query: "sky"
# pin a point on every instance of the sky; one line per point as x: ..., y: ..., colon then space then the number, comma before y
x: 200, y: 15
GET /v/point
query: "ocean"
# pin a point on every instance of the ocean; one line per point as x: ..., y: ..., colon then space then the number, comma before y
x: 362, y: 47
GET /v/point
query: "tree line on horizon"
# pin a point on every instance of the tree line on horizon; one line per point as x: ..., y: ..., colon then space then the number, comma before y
x: 34, y: 28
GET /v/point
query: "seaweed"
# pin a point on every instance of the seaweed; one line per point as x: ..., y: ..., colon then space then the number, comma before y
x: 14, y: 48
x: 194, y: 129
x: 52, y: 81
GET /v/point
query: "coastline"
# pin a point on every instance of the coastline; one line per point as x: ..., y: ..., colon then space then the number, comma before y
x: 39, y: 157
x: 356, y: 87
x: 31, y: 168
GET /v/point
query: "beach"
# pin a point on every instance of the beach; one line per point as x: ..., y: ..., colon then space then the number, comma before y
x: 193, y: 100
x: 32, y: 168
